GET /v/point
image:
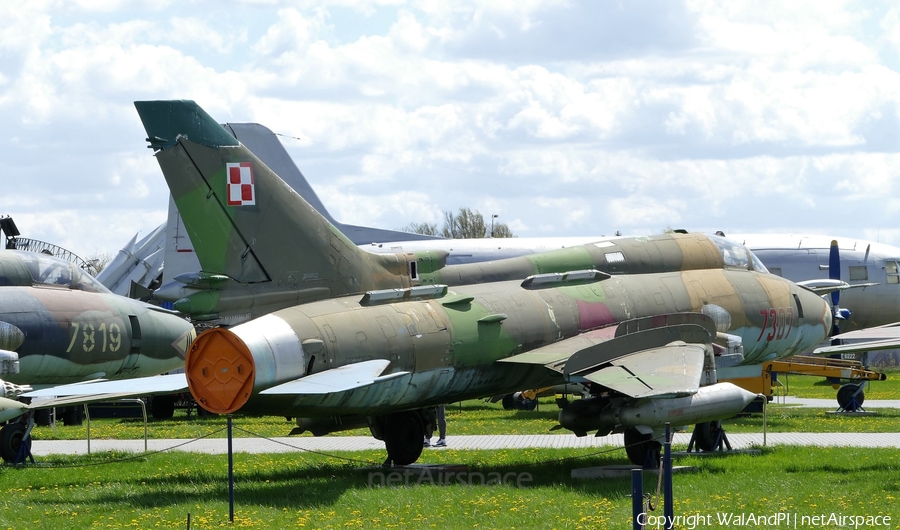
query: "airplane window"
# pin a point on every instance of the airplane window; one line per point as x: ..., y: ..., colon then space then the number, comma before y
x: 48, y: 270
x: 86, y: 282
x: 776, y: 271
x: 890, y: 267
x: 859, y: 272
x: 759, y: 266
x: 734, y: 254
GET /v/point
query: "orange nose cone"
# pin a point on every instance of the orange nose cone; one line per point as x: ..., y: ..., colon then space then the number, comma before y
x: 220, y: 371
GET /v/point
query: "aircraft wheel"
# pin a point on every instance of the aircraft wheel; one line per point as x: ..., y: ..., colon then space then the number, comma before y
x: 642, y: 449
x: 73, y: 415
x: 162, y: 407
x: 42, y: 417
x: 11, y: 436
x: 509, y: 402
x: 846, y: 400
x: 706, y: 435
x: 403, y: 435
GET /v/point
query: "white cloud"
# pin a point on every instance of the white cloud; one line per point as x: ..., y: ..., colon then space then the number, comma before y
x: 754, y: 116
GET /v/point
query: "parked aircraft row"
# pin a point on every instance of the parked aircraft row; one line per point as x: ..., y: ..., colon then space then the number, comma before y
x: 350, y: 337
x: 795, y: 257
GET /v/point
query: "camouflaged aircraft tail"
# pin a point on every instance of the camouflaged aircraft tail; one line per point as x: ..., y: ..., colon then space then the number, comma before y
x: 246, y: 222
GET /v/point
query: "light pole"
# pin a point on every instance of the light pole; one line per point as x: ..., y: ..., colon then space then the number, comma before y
x: 493, y: 216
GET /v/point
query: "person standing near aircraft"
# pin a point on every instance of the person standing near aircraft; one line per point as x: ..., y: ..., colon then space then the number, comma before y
x: 440, y: 416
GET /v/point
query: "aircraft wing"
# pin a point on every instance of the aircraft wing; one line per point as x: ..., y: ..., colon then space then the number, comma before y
x: 672, y: 370
x: 336, y: 381
x: 887, y: 331
x: 856, y: 347
x: 80, y: 400
x: 341, y: 379
x: 823, y: 286
x: 93, y: 392
x: 658, y: 362
x: 886, y: 337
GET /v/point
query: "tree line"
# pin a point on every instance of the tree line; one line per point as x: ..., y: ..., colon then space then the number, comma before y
x: 467, y: 224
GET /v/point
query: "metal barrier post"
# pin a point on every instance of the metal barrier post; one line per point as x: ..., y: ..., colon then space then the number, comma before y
x: 88, y: 416
x: 230, y: 475
x: 669, y: 510
x: 637, y: 498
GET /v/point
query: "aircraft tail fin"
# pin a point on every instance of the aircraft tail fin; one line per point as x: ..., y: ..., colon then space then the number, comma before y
x: 266, y: 146
x: 243, y: 220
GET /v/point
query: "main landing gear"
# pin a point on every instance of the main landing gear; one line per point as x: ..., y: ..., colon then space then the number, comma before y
x: 15, y: 442
x: 402, y: 433
x: 642, y: 449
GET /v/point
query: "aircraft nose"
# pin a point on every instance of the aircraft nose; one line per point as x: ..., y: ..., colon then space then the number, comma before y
x: 817, y: 311
x: 163, y: 337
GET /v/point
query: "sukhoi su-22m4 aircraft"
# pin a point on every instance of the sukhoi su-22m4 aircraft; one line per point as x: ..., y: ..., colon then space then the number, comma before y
x: 270, y: 249
x: 58, y: 325
x: 797, y: 258
x: 647, y: 345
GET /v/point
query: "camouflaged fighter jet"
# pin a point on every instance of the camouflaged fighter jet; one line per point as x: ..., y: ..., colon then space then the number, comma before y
x: 870, y: 267
x: 256, y: 238
x: 643, y: 343
x: 646, y: 344
x: 58, y: 325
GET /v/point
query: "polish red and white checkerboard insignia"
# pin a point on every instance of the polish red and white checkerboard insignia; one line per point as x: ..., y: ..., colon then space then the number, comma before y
x: 241, y: 190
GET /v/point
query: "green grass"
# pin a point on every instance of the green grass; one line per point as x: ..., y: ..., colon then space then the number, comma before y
x: 470, y: 418
x: 819, y: 388
x: 801, y: 419
x: 479, y: 417
x: 314, y: 491
x: 318, y: 491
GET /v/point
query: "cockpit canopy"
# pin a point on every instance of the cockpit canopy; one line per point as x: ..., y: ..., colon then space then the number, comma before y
x: 21, y: 268
x: 737, y: 255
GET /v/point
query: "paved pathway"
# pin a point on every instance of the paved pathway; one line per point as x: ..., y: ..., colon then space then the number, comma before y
x: 503, y: 441
x: 500, y: 441
x: 832, y: 403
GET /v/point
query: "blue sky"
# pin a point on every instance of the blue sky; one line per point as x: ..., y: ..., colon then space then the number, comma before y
x: 563, y: 118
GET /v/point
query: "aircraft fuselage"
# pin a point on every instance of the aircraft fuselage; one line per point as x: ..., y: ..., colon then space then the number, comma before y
x: 449, y: 345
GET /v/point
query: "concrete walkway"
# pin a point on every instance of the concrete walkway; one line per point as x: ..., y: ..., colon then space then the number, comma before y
x: 833, y: 405
x: 501, y: 441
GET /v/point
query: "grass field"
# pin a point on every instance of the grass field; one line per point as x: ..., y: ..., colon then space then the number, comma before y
x: 110, y: 490
x: 313, y: 491
x: 473, y: 417
x: 479, y: 417
x: 817, y: 387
